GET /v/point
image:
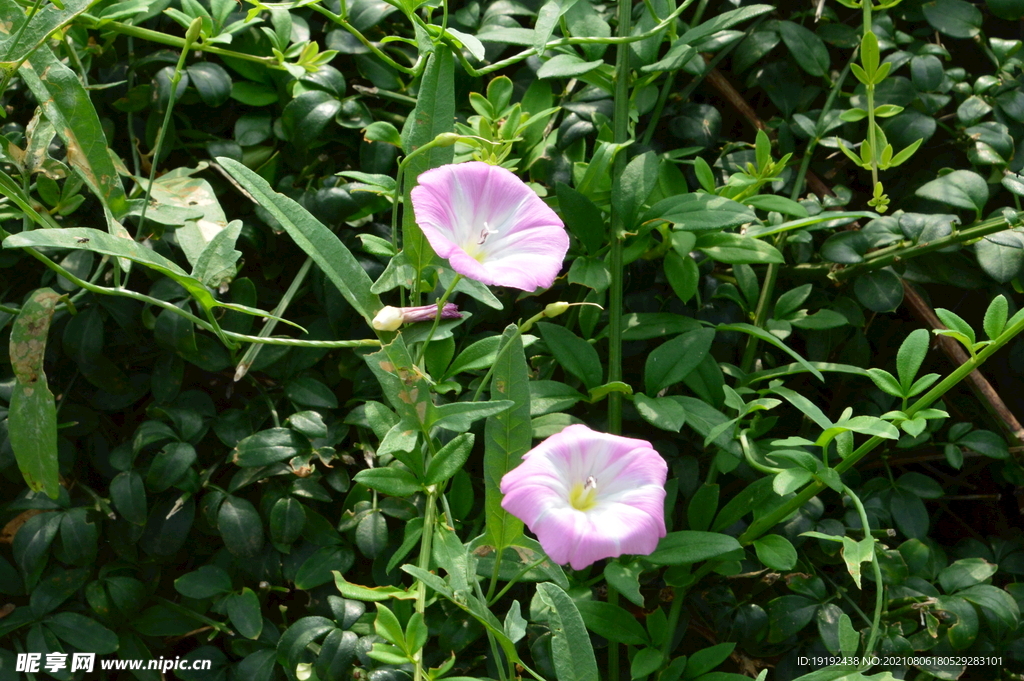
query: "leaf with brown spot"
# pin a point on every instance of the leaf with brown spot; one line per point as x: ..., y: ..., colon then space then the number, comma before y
x: 16, y: 44
x: 67, y: 106
x: 15, y: 523
x: 32, y: 420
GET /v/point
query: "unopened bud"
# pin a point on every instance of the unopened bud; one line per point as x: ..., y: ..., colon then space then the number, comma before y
x: 447, y: 139
x: 193, y: 31
x: 391, y: 318
x: 555, y: 309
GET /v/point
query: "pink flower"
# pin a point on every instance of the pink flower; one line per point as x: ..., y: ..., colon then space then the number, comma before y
x: 490, y: 225
x: 391, y: 318
x: 589, y: 495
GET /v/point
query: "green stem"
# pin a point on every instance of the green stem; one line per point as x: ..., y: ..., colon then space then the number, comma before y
x: 174, y: 41
x: 879, y: 586
x: 620, y: 124
x: 515, y: 579
x: 201, y: 323
x: 424, y: 564
x: 377, y: 52
x: 437, y: 317
x: 886, y: 257
x: 253, y: 350
x: 190, y: 37
x: 765, y: 523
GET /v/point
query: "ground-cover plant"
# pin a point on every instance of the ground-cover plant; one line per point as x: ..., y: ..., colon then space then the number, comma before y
x: 494, y: 340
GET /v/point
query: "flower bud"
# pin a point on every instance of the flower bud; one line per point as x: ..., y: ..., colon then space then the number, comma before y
x: 555, y: 309
x: 391, y: 318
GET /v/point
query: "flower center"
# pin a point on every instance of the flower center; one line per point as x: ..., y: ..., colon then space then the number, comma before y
x: 583, y: 496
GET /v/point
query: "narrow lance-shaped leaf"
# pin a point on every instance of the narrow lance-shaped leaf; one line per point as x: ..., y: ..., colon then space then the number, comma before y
x: 434, y: 114
x: 16, y: 43
x: 507, y: 436
x: 320, y: 243
x: 32, y: 420
x: 67, y: 105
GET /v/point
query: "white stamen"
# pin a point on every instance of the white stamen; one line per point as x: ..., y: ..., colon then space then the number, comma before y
x: 591, y: 483
x: 484, y: 233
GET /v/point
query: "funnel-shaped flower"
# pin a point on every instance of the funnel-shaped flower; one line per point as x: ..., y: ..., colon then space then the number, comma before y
x: 391, y: 318
x: 589, y: 495
x: 490, y: 225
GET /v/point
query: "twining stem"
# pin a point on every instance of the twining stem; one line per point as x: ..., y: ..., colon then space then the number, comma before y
x: 765, y: 523
x: 201, y: 323
x: 879, y: 586
x: 424, y: 564
x: 870, y: 91
x: 253, y: 350
x: 175, y: 41
x: 190, y: 37
x: 620, y: 124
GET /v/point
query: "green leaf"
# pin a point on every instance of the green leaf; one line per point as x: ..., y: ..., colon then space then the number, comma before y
x: 776, y: 552
x: 212, y: 82
x: 770, y: 202
x: 1001, y: 256
x: 297, y: 636
x: 612, y: 622
x: 32, y: 419
x: 995, y: 317
x: 965, y: 573
x: 83, y: 633
x: 68, y: 107
x: 244, y: 613
x: 736, y: 249
x: 787, y: 615
x: 240, y: 527
x: 625, y: 579
x: 382, y: 131
x: 581, y: 216
x: 19, y: 41
x: 566, y: 66
x: 672, y: 361
x: 128, y: 494
x: 687, y: 547
x: 450, y: 459
x: 646, y: 662
x: 661, y: 412
x: 960, y: 188
x: 206, y: 582
x: 773, y: 340
x: 886, y: 382
x: 433, y: 115
x: 956, y: 323
x: 700, y: 212
x: 808, y: 49
x: 571, y: 650
x: 703, y: 661
x: 955, y: 18
x: 994, y: 600
x: 575, y: 355
x: 322, y: 245
x: 169, y: 465
x: 59, y: 586
x: 396, y: 482
x: 879, y: 291
x: 460, y: 416
x: 683, y: 275
x: 910, y: 356
x: 985, y: 442
x: 507, y: 436
x: 318, y: 568
x: 270, y: 446
x: 305, y: 118
x: 632, y: 188
x: 287, y: 518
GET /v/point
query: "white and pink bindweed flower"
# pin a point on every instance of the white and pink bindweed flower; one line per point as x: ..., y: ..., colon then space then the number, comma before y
x: 490, y: 225
x: 589, y: 495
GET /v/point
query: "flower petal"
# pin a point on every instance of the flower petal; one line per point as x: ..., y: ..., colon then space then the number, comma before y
x: 626, y: 477
x: 490, y: 225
